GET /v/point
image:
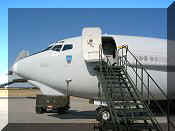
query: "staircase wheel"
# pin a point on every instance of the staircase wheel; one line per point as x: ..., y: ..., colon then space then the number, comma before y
x: 103, y: 114
x: 114, y: 64
x: 106, y: 115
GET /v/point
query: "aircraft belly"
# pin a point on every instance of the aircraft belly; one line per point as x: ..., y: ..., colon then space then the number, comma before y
x: 85, y: 88
x: 46, y: 90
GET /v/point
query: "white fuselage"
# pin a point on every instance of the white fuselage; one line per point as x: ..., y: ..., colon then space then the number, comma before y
x: 51, y: 69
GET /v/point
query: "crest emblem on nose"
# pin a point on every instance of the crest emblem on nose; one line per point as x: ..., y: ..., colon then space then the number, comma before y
x: 69, y: 59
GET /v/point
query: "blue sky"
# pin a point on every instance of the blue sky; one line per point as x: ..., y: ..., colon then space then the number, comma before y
x: 5, y: 4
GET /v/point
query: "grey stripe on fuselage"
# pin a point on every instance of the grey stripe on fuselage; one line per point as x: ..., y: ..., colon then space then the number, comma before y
x: 162, y: 68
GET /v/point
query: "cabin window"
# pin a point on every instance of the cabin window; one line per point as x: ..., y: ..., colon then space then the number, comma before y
x: 67, y: 47
x: 57, y: 48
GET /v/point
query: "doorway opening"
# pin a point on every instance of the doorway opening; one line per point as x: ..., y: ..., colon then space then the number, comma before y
x: 109, y: 49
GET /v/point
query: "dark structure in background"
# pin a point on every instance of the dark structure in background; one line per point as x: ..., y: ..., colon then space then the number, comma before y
x: 170, y: 51
x: 170, y: 63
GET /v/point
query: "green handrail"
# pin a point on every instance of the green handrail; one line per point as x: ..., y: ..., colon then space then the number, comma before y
x: 123, y: 59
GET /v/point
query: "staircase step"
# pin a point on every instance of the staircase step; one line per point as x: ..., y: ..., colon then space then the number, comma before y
x: 117, y: 94
x: 111, y: 85
x: 119, y: 89
x: 114, y: 86
x: 135, y: 117
x: 124, y: 84
x: 117, y: 103
x: 119, y: 97
x: 118, y: 68
x: 115, y: 77
x: 110, y: 71
x: 131, y: 110
x: 116, y: 80
x: 126, y: 98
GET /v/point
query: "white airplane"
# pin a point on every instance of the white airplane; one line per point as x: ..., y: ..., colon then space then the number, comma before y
x: 72, y: 61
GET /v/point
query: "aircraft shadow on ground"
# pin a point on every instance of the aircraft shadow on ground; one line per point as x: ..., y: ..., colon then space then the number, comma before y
x: 74, y: 114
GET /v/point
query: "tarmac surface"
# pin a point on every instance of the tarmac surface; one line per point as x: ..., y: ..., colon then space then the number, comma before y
x: 22, y: 110
x: 3, y: 112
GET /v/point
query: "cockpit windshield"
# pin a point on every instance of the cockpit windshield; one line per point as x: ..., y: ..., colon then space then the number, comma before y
x: 57, y: 48
x: 48, y: 48
x: 51, y: 47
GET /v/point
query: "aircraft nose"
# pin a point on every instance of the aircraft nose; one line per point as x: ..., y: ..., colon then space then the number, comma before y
x: 15, y: 67
x: 24, y: 67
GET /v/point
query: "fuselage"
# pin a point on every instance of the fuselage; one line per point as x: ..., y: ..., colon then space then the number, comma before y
x: 52, y: 68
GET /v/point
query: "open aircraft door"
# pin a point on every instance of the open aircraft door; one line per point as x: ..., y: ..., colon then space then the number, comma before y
x: 91, y: 40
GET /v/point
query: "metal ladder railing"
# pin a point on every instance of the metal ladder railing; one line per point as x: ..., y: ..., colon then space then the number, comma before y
x: 115, y: 116
x: 138, y: 82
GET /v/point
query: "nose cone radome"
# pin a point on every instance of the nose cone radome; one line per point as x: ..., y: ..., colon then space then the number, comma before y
x: 15, y: 68
x: 20, y: 68
x: 25, y: 67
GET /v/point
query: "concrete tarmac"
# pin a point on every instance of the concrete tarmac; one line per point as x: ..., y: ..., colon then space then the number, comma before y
x: 3, y: 112
x: 22, y: 110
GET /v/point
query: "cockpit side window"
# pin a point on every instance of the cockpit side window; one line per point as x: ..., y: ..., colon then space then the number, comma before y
x: 57, y: 48
x: 67, y: 47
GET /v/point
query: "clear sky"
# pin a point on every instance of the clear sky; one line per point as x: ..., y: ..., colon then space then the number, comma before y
x: 59, y: 30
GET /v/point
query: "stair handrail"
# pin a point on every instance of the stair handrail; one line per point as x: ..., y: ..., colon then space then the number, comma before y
x: 144, y: 69
x: 124, y: 62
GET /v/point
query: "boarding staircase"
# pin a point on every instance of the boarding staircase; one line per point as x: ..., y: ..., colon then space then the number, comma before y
x: 126, y: 93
